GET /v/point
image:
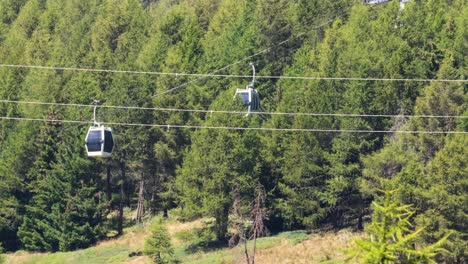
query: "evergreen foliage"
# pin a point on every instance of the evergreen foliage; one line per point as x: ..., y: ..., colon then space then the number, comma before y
x: 392, y: 238
x: 52, y: 197
x: 158, y: 243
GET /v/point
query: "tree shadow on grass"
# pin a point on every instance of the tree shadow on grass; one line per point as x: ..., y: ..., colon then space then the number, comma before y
x: 205, y: 246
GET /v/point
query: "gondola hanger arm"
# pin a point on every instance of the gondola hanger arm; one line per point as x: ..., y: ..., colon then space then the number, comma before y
x: 95, y: 103
x: 253, y: 74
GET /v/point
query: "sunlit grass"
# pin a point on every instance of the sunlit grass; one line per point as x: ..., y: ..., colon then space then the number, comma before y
x: 95, y: 255
x: 286, y: 247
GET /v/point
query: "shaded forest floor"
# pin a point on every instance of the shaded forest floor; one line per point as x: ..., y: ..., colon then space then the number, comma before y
x: 285, y: 247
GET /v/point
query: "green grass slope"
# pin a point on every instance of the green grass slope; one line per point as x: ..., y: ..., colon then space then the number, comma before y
x: 286, y: 247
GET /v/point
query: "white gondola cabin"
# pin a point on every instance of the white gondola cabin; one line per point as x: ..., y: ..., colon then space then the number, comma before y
x: 249, y: 95
x: 99, y: 141
x: 375, y: 2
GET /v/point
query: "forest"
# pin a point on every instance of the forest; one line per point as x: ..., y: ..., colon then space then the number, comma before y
x: 355, y: 99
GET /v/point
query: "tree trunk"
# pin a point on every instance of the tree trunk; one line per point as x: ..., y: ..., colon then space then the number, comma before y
x: 246, y: 249
x: 259, y: 216
x: 360, y: 225
x: 222, y: 223
x: 254, y: 247
x: 122, y: 200
x: 141, y: 200
x: 108, y: 186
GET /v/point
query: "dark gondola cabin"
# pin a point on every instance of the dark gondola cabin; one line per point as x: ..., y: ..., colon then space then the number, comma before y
x: 99, y: 141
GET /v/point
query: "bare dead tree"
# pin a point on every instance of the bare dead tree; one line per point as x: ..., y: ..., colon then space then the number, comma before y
x: 238, y: 224
x: 250, y: 228
x: 123, y: 169
x: 399, y: 122
x: 141, y: 200
x: 258, y: 216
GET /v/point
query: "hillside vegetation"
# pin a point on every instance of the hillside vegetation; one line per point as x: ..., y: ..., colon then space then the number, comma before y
x: 367, y: 119
x: 290, y: 247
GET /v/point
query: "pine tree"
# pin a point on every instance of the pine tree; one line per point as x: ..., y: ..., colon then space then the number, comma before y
x: 14, y: 165
x: 158, y: 244
x: 391, y: 238
x: 443, y: 196
x: 217, y: 163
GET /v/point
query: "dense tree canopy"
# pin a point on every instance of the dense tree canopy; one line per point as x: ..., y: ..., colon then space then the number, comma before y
x: 53, y: 197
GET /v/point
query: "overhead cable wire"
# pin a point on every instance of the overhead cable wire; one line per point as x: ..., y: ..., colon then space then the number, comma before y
x: 237, y: 128
x: 40, y: 67
x: 175, y: 74
x: 248, y: 57
x: 213, y: 75
x: 232, y: 112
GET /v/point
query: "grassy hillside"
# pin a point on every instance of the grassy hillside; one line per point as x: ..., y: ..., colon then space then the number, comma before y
x: 285, y: 247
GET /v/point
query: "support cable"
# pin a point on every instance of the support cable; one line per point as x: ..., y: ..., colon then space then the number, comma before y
x: 239, y: 128
x: 233, y: 112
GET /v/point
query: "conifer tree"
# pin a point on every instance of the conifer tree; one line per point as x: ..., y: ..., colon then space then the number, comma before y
x: 158, y: 244
x: 391, y: 238
x: 14, y: 166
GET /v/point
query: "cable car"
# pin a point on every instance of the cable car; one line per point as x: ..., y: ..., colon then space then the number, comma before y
x: 375, y: 2
x: 249, y: 95
x: 99, y: 141
x: 402, y: 4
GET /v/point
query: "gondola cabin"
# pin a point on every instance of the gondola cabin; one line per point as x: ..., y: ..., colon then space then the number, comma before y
x: 375, y: 2
x: 99, y: 141
x: 250, y: 98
